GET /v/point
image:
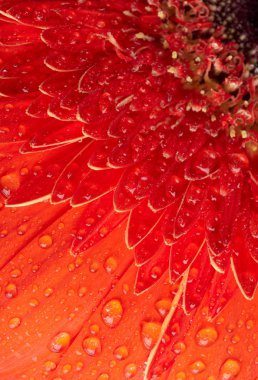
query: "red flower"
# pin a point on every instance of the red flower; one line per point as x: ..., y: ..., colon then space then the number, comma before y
x: 143, y: 115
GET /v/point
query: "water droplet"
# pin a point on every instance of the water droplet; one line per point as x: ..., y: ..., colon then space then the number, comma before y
x: 94, y: 267
x: 103, y: 376
x: 235, y: 339
x: 45, y: 241
x: 249, y: 324
x: 112, y: 313
x: 163, y: 306
x: 49, y: 366
x: 155, y: 272
x: 48, y: 292
x: 71, y: 267
x: 67, y: 368
x: 22, y: 229
x: 112, y: 363
x: 121, y: 353
x: 94, y: 329
x: 130, y: 370
x: 24, y: 171
x: 179, y: 348
x: 11, y: 291
x: 180, y: 376
x: 229, y: 369
x: 197, y: 367
x: 230, y: 328
x: 92, y: 345
x: 14, y: 322
x: 15, y: 273
x: 150, y: 334
x: 33, y: 302
x: 206, y: 336
x: 60, y: 342
x: 125, y: 288
x: 79, y: 366
x: 3, y: 233
x: 82, y: 291
x: 10, y: 181
x: 110, y: 265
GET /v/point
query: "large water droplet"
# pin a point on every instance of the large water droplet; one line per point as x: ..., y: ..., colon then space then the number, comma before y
x: 112, y: 313
x: 197, y: 367
x: 229, y: 369
x: 163, y: 306
x: 92, y: 345
x: 130, y: 370
x: 14, y: 322
x: 206, y: 336
x: 60, y: 342
x: 150, y: 334
x: 121, y: 353
x: 45, y: 241
x: 11, y: 291
x: 110, y: 265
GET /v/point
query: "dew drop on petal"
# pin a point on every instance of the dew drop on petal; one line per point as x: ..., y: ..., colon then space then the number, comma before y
x: 60, y: 342
x: 94, y: 267
x: 48, y: 292
x: 22, y: 229
x: 249, y: 324
x: 130, y: 370
x: 180, y: 376
x: 235, y: 339
x: 110, y: 265
x: 49, y: 366
x: 79, y: 366
x: 33, y: 302
x: 45, y: 241
x: 112, y: 313
x: 150, y: 334
x: 103, y: 376
x: 66, y: 368
x: 163, y: 306
x: 14, y: 322
x: 3, y: 233
x: 197, y: 367
x: 121, y: 353
x: 11, y: 291
x: 206, y: 336
x: 94, y: 329
x: 92, y: 345
x: 179, y: 348
x: 82, y: 291
x: 10, y: 182
x: 229, y: 369
x: 15, y: 273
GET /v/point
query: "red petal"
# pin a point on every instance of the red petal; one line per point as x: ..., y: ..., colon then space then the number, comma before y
x: 33, y: 176
x: 74, y: 171
x: 199, y: 277
x: 141, y: 222
x: 185, y: 250
x: 150, y: 245
x: 151, y: 272
x: 190, y: 207
x: 67, y: 61
x: 98, y: 220
x: 17, y: 35
x: 95, y: 184
x: 224, y: 202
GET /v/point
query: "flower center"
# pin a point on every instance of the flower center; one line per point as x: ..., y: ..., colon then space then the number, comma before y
x: 239, y: 20
x: 209, y: 54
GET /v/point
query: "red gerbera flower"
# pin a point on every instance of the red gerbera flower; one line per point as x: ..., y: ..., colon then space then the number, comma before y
x: 144, y: 114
